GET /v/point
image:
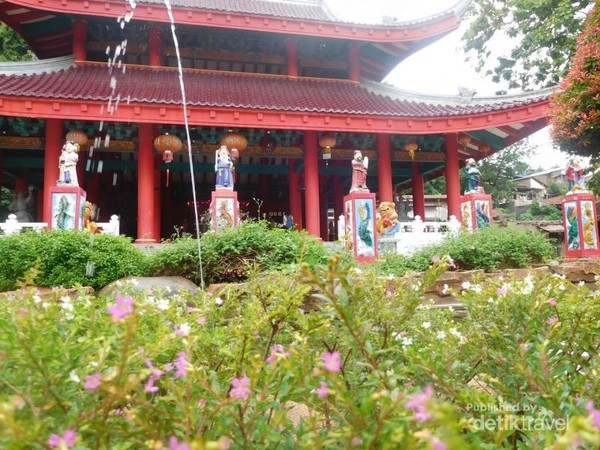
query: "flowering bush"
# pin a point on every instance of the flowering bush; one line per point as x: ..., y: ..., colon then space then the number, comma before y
x: 324, y: 359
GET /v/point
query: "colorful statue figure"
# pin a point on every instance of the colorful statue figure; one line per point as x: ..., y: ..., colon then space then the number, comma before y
x: 359, y: 172
x: 223, y: 168
x: 67, y: 164
x: 473, y: 177
x: 589, y: 231
x: 387, y: 223
x: 89, y: 224
x: 574, y: 174
x: 363, y: 231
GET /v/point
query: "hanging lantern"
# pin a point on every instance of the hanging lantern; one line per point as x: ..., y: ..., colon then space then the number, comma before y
x: 411, y: 147
x: 327, y: 140
x: 234, y: 153
x: 77, y: 136
x: 168, y: 144
x: 267, y: 142
x: 484, y: 148
x: 327, y: 154
x: 464, y: 140
x: 234, y: 140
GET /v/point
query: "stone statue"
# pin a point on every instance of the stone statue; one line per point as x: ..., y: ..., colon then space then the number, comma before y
x: 22, y: 205
x: 223, y: 168
x: 473, y: 176
x: 359, y: 172
x: 67, y: 164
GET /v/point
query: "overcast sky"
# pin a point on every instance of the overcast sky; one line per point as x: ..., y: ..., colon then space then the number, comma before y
x: 417, y: 72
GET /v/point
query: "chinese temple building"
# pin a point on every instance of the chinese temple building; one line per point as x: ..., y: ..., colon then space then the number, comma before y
x: 289, y: 76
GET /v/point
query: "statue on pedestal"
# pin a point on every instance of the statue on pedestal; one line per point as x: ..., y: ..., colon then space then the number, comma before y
x: 67, y: 164
x: 359, y: 172
x: 223, y: 168
x: 575, y: 176
x: 22, y: 205
x: 473, y: 177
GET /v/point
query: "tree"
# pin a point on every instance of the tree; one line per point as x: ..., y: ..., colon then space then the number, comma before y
x: 542, y: 36
x: 575, y: 108
x: 12, y: 46
x: 499, y: 171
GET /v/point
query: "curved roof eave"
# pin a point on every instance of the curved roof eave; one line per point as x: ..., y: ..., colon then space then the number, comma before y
x: 302, y: 17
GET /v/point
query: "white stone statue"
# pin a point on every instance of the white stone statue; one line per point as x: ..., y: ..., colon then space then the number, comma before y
x: 67, y: 164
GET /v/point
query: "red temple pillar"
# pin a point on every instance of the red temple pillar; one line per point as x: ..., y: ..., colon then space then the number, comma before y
x: 418, y: 191
x: 452, y: 176
x: 324, y: 202
x: 292, y: 56
x: 54, y: 138
x: 384, y: 168
x: 295, y: 196
x: 353, y: 62
x: 146, y: 205
x: 80, y: 28
x: 157, y: 194
x: 311, y: 183
x: 154, y: 52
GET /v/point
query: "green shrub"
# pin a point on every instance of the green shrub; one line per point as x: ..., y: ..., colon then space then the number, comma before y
x: 489, y: 249
x: 64, y: 256
x: 231, y: 255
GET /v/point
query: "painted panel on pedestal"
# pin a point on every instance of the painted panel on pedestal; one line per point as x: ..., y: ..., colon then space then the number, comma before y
x: 467, y: 219
x: 81, y: 211
x: 572, y: 223
x: 225, y: 213
x: 63, y: 211
x: 349, y: 231
x: 482, y: 213
x: 590, y: 241
x: 365, y: 227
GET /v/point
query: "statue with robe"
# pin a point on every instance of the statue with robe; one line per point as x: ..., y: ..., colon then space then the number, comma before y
x: 67, y: 164
x: 223, y: 168
x: 360, y: 165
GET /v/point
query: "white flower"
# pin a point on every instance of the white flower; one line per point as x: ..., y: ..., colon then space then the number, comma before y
x: 445, y: 290
x: 37, y: 299
x: 391, y: 276
x: 528, y: 288
x: 218, y: 301
x: 73, y: 377
x: 426, y: 325
x: 45, y: 305
x: 134, y: 281
x: 66, y: 303
x: 559, y: 276
x: 596, y: 277
x: 466, y: 285
x: 406, y: 342
x: 585, y: 355
x: 441, y: 335
x: 562, y: 287
x: 184, y: 329
x: 162, y: 304
x: 581, y: 283
x: 476, y: 288
x: 69, y: 316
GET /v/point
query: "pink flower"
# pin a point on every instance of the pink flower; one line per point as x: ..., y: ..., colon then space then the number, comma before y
x: 436, y: 259
x: 356, y: 441
x: 331, y: 361
x: 201, y: 320
x: 92, y: 382
x: 323, y: 391
x: 67, y: 440
x: 240, y: 388
x: 436, y: 444
x: 501, y: 292
x: 181, y: 365
x: 552, y: 320
x: 594, y: 413
x: 174, y: 444
x: 156, y: 373
x: 552, y: 301
x: 149, y: 386
x: 277, y: 351
x: 418, y: 403
x: 122, y: 307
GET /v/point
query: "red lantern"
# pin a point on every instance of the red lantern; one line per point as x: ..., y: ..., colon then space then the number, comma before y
x: 464, y: 140
x: 168, y: 144
x: 484, y: 148
x: 77, y: 136
x: 234, y: 140
x: 327, y: 140
x: 234, y: 153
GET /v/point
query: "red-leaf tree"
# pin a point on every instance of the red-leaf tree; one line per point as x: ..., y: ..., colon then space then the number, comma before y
x: 576, y: 107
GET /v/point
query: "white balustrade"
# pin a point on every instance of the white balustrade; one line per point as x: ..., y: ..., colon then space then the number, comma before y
x: 417, y: 234
x: 12, y: 225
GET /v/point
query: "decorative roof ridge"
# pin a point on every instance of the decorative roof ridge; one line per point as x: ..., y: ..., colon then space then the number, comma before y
x: 458, y: 10
x: 37, y: 66
x: 389, y: 90
x: 212, y: 72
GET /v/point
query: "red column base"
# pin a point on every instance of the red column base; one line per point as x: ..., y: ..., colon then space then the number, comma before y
x: 224, y: 209
x: 359, y: 214
x: 581, y: 228
x: 476, y: 211
x: 68, y: 206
